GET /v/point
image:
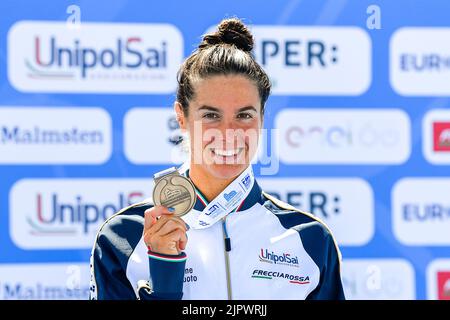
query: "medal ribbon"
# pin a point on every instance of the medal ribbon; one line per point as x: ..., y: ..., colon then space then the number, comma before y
x: 226, y: 202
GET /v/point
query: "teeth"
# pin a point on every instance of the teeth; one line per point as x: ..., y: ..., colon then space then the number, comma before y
x: 226, y: 153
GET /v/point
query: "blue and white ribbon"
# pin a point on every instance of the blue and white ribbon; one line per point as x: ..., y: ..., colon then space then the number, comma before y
x: 227, y: 201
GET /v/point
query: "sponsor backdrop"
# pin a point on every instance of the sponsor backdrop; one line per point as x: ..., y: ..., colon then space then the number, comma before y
x: 358, y: 129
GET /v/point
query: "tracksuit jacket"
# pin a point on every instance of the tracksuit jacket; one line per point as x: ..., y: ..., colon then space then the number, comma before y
x: 266, y: 249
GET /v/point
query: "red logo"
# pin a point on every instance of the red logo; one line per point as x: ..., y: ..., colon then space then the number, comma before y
x: 443, y: 279
x: 441, y: 136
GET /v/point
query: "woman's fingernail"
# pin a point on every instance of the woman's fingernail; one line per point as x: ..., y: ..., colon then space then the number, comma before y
x: 187, y: 227
x: 171, y: 209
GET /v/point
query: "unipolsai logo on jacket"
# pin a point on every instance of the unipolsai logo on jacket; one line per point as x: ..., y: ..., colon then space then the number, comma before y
x: 273, y: 258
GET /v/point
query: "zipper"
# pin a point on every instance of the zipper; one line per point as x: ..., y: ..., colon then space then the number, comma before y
x: 227, y: 249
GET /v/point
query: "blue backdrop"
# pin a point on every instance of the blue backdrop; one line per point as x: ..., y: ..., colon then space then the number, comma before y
x: 192, y: 19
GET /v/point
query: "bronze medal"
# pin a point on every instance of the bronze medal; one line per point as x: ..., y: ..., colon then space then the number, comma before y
x: 174, y: 190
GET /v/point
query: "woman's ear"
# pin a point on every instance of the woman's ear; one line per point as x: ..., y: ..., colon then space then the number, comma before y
x: 180, y: 115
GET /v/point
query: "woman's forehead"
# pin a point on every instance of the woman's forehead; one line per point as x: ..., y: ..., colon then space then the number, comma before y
x: 230, y: 81
x: 234, y: 91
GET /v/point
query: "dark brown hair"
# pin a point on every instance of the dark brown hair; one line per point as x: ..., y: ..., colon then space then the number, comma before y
x: 224, y: 52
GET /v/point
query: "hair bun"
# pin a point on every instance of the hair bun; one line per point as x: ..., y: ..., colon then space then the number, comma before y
x: 230, y: 31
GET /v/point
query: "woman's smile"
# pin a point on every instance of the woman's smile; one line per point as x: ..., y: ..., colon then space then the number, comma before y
x: 230, y: 156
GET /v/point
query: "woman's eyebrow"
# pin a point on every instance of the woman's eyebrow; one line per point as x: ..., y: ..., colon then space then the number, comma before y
x: 209, y: 108
x: 247, y: 108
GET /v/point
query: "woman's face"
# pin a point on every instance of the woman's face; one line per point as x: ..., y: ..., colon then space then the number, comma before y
x: 223, y: 124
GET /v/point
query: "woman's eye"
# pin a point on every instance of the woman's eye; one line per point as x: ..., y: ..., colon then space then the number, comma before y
x: 245, y: 115
x: 211, y: 115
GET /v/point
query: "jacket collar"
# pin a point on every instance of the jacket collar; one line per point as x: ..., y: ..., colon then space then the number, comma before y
x: 255, y: 196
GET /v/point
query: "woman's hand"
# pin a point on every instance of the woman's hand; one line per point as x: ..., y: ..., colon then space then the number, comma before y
x: 166, y: 235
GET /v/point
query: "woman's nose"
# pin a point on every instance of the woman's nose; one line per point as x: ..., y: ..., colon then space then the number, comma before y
x: 230, y: 124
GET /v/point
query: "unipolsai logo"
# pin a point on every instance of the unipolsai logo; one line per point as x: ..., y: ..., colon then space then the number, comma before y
x: 284, y: 259
x: 67, y: 213
x: 77, y: 60
x: 50, y: 56
x: 60, y: 217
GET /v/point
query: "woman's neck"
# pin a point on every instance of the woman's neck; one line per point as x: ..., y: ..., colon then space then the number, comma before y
x: 208, y: 185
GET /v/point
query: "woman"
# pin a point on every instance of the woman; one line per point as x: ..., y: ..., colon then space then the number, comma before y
x: 256, y: 247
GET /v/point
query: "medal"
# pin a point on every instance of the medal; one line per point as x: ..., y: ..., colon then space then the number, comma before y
x: 174, y: 190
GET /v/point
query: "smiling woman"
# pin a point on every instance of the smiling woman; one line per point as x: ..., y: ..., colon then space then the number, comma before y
x: 243, y: 243
x: 224, y: 122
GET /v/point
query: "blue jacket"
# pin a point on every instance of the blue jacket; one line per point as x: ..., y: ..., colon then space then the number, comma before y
x: 265, y: 250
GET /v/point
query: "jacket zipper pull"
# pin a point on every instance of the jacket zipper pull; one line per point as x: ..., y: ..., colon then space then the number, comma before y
x: 227, y: 244
x: 226, y: 236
